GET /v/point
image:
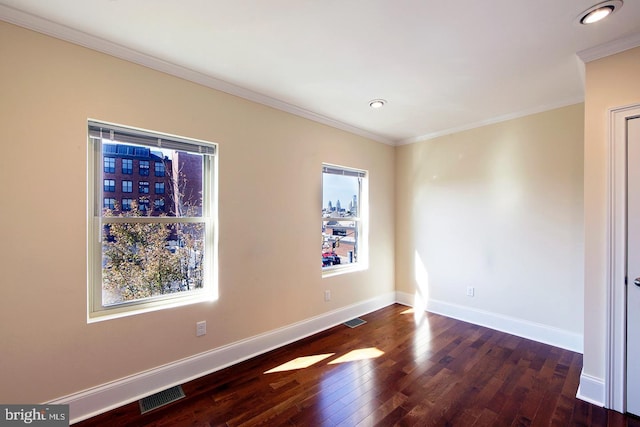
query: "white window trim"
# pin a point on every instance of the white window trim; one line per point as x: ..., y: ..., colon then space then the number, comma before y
x: 95, y: 173
x: 363, y: 232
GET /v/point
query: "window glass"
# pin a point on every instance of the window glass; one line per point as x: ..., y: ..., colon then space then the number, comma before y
x: 126, y: 204
x: 158, y: 205
x: 110, y: 165
x: 109, y: 185
x: 342, y: 220
x: 143, y: 204
x: 127, y: 166
x: 109, y: 203
x: 144, y: 168
x: 159, y: 168
x: 144, y: 257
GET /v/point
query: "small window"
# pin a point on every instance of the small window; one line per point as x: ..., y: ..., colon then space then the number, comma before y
x: 110, y: 164
x: 109, y: 185
x: 125, y: 150
x: 159, y: 187
x: 127, y: 166
x: 143, y: 204
x: 126, y: 204
x: 109, y: 203
x: 344, y: 227
x: 141, y: 152
x: 159, y: 168
x: 158, y: 205
x: 143, y: 168
x: 144, y: 257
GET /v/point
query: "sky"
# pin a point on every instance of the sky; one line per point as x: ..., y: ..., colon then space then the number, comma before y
x: 338, y: 187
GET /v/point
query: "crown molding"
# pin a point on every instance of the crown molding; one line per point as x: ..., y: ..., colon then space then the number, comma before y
x: 62, y: 32
x: 491, y: 121
x: 615, y: 46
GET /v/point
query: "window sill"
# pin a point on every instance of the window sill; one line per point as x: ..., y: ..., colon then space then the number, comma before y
x: 342, y: 269
x: 147, y: 307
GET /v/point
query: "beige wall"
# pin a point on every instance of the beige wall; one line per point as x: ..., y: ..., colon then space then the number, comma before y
x: 269, y: 198
x: 610, y: 82
x: 498, y: 208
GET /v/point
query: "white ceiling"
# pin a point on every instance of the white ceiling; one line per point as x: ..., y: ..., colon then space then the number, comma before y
x: 443, y: 66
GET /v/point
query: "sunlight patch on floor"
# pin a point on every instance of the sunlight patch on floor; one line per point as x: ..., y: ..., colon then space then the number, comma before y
x: 360, y: 354
x: 300, y: 363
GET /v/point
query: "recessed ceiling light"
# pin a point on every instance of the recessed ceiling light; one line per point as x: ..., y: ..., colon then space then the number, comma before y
x: 377, y: 103
x: 599, y: 12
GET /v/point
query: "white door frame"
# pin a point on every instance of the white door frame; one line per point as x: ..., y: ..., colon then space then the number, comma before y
x: 615, y: 387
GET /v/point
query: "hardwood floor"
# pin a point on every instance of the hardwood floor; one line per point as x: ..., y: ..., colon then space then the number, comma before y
x: 389, y: 371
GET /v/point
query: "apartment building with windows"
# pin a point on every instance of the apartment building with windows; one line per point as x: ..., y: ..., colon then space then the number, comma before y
x: 137, y: 176
x: 147, y: 177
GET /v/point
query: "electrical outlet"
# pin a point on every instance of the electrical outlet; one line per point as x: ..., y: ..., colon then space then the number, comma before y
x: 201, y: 328
x: 470, y: 291
x: 327, y: 295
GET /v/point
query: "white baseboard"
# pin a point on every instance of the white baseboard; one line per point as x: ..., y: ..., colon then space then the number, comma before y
x: 511, y: 325
x: 404, y: 298
x: 88, y: 403
x: 591, y: 390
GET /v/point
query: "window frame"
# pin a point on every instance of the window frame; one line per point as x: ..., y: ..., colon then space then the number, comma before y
x: 96, y: 311
x: 159, y: 185
x: 109, y: 203
x: 361, y: 220
x: 159, y: 205
x: 127, y: 186
x: 111, y: 161
x: 143, y: 185
x: 143, y: 168
x: 126, y: 204
x: 128, y: 170
x: 109, y: 185
x: 159, y: 168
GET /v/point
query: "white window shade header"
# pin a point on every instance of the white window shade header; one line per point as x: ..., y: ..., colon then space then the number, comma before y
x: 336, y: 170
x: 126, y: 135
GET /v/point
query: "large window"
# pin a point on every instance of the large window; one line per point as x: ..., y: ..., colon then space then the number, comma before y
x: 143, y: 259
x: 344, y: 213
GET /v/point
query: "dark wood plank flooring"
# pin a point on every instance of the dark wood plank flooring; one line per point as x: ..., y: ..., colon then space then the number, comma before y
x: 440, y: 372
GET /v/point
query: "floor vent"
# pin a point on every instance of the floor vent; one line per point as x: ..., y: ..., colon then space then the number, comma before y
x: 162, y: 398
x: 353, y: 323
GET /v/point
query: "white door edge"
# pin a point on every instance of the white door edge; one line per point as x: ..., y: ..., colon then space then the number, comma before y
x: 615, y: 370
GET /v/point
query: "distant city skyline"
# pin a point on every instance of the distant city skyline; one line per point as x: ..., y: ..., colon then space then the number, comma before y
x: 338, y: 187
